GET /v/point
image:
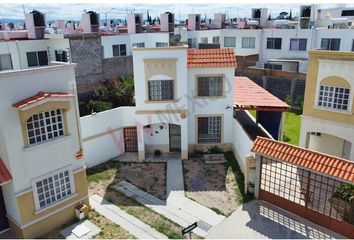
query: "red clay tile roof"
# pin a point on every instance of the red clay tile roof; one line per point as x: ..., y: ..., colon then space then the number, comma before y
x: 39, y: 97
x: 248, y: 93
x: 5, y: 175
x: 224, y: 57
x: 316, y: 161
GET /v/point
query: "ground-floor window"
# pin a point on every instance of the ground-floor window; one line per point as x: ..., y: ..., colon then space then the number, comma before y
x: 53, y: 187
x: 209, y: 129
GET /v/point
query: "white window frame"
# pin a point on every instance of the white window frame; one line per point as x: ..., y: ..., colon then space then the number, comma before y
x: 216, y: 39
x: 273, y: 40
x: 203, y: 40
x: 119, y: 50
x: 161, y: 44
x: 46, y: 176
x: 212, y: 130
x: 297, y: 48
x: 246, y: 43
x: 331, y: 98
x: 231, y: 41
x: 139, y: 44
x: 193, y: 42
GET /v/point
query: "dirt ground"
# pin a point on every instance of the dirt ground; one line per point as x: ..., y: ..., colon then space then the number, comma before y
x: 150, y: 177
x: 212, y: 185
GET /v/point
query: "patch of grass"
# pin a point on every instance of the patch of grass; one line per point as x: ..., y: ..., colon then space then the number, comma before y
x: 101, y: 172
x: 292, y: 127
x: 108, y: 228
x: 240, y: 179
x: 217, y: 211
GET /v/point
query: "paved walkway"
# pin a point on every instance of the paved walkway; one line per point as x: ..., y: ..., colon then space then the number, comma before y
x: 133, y: 225
x: 177, y: 208
x: 257, y: 219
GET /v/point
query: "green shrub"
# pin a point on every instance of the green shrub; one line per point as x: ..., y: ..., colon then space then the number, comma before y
x: 99, y: 106
x: 345, y: 192
x: 214, y: 150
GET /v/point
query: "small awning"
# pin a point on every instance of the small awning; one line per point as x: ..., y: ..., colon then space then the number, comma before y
x: 5, y: 175
x: 40, y: 96
x: 249, y: 96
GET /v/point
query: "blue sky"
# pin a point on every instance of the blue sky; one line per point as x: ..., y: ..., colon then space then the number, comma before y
x: 73, y: 11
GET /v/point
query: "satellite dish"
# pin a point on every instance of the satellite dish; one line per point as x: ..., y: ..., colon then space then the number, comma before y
x: 176, y: 38
x: 11, y: 26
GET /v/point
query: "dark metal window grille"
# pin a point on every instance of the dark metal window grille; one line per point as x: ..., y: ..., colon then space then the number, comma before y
x: 119, y: 50
x: 161, y: 44
x: 131, y: 139
x: 334, y: 97
x: 274, y: 43
x: 216, y: 39
x: 192, y: 42
x: 209, y: 129
x: 35, y: 59
x: 210, y: 86
x: 306, y: 188
x: 61, y: 56
x: 160, y: 90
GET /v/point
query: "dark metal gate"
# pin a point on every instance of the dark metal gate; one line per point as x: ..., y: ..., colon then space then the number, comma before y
x: 4, y: 223
x: 307, y: 194
x: 130, y: 139
x: 175, y: 137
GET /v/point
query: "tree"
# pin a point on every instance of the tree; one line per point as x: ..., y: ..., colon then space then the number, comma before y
x: 290, y: 15
x: 282, y: 15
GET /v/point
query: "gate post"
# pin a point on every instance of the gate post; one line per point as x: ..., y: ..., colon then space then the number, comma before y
x: 257, y: 183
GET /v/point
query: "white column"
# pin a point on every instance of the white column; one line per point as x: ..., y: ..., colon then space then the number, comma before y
x: 184, y: 138
x: 141, y: 143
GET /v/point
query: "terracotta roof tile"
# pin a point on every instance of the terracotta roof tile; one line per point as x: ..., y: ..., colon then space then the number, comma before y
x: 224, y: 57
x: 39, y: 97
x: 5, y: 175
x: 316, y: 161
x: 248, y: 93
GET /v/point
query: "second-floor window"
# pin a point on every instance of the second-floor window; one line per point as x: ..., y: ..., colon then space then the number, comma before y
x: 139, y: 45
x: 5, y: 62
x: 334, y: 97
x: 274, y: 43
x: 160, y: 90
x: 35, y: 59
x: 210, y: 86
x: 273, y: 66
x: 45, y: 126
x: 203, y: 40
x: 353, y: 46
x: 298, y: 44
x: 216, y: 39
x: 229, y: 41
x: 119, y: 50
x: 248, y: 42
x: 332, y: 44
x: 61, y: 56
x: 192, y: 43
x: 161, y: 44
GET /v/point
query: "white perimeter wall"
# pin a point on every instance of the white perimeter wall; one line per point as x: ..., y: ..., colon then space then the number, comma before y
x: 102, y: 134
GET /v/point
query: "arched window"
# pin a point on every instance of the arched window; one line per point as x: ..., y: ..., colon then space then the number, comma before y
x: 334, y: 92
x: 45, y: 126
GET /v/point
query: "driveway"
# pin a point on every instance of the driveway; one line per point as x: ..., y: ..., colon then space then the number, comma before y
x: 258, y: 219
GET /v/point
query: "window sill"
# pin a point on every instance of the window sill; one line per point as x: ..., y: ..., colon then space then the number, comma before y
x: 56, y: 204
x: 207, y: 144
x: 206, y: 97
x: 332, y: 110
x: 161, y: 101
x: 45, y: 144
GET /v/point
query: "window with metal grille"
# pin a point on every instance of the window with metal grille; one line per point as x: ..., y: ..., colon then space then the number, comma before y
x: 161, y: 44
x: 45, y: 126
x: 332, y: 44
x: 273, y: 66
x: 353, y: 46
x: 203, y: 40
x: 139, y: 45
x: 298, y: 44
x: 35, y: 59
x: 229, y: 41
x: 53, y: 188
x: 119, y: 50
x: 192, y: 43
x: 210, y: 86
x: 248, y: 42
x: 160, y: 90
x: 334, y: 97
x: 5, y: 62
x: 216, y: 39
x: 209, y: 129
x: 61, y: 56
x: 274, y: 43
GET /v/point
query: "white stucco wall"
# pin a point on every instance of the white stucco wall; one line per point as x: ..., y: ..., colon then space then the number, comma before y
x: 346, y: 36
x: 103, y: 136
x: 149, y: 39
x: 108, y: 41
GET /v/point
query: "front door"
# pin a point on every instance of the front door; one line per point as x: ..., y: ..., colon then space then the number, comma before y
x: 130, y: 139
x: 175, y: 137
x: 4, y: 224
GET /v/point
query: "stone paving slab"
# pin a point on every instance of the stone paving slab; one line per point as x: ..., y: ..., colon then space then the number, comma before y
x: 70, y: 233
x: 128, y: 222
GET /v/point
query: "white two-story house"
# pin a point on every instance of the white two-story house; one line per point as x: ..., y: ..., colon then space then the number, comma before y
x: 183, y: 99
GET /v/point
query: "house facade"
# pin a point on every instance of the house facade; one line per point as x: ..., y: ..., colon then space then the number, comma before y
x: 183, y: 99
x: 327, y: 121
x: 40, y: 149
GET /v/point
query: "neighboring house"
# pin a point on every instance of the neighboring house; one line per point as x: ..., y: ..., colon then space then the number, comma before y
x: 42, y: 173
x: 183, y: 99
x: 327, y: 123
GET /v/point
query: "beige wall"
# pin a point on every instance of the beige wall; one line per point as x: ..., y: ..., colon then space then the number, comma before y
x: 327, y: 144
x: 27, y: 211
x: 311, y: 83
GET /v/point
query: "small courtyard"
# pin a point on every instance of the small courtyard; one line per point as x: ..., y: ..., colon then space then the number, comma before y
x: 218, y: 186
